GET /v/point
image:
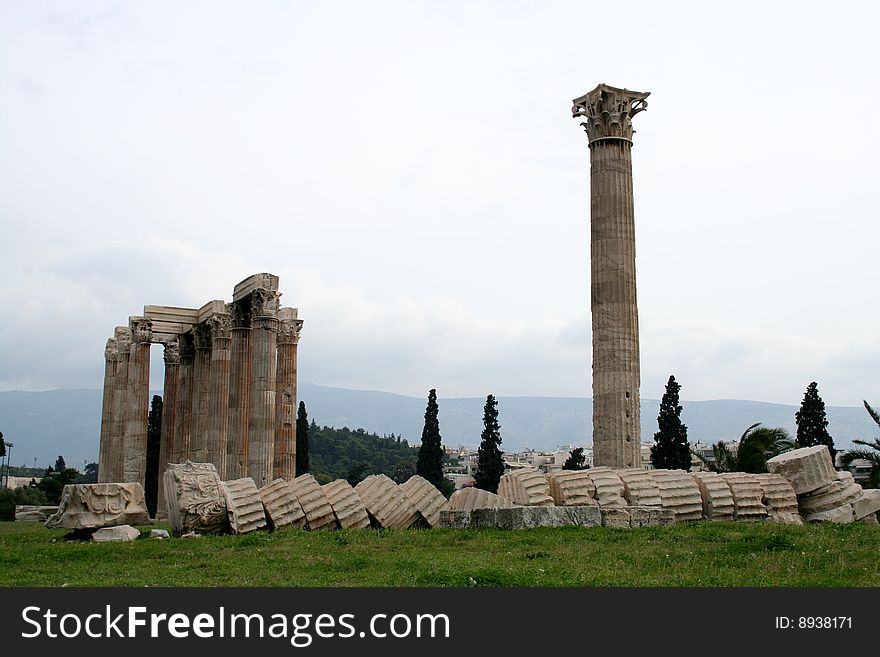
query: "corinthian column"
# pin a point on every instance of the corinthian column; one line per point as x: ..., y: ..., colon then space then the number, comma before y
x: 220, y: 325
x: 608, y: 113
x: 169, y: 416
x: 111, y: 361
x: 261, y: 419
x: 239, y: 391
x: 113, y: 473
x: 289, y: 327
x: 134, y: 467
x: 183, y: 418
x: 201, y: 388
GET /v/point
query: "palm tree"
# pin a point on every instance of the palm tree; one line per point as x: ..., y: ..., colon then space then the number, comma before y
x: 756, y: 445
x: 872, y: 455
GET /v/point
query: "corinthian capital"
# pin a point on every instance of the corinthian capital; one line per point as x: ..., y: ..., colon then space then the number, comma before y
x: 111, y: 352
x: 141, y: 329
x: 172, y: 353
x: 220, y: 325
x: 288, y: 331
x: 264, y: 303
x: 608, y: 111
x: 202, y: 335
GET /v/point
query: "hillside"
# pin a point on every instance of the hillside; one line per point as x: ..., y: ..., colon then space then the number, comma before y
x: 45, y: 424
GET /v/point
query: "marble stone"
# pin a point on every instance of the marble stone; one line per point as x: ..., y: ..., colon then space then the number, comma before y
x: 32, y: 513
x: 346, y: 504
x: 314, y: 502
x: 679, y: 492
x: 468, y: 499
x: 387, y: 505
x: 650, y: 516
x: 118, y: 533
x: 455, y: 519
x: 609, y: 487
x: 842, y: 490
x: 867, y: 504
x: 159, y: 534
x: 91, y: 506
x: 525, y: 487
x: 572, y: 488
x: 807, y: 468
x: 429, y: 501
x: 619, y: 518
x: 780, y: 499
x: 840, y: 514
x: 639, y: 487
x: 747, y: 495
x: 194, y: 497
x: 244, y: 505
x: 281, y: 506
x: 528, y: 517
x: 716, y: 495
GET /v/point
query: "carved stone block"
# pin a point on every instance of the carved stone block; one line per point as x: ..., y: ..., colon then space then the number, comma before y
x: 639, y: 487
x: 193, y: 493
x: 572, y: 488
x: 841, y: 514
x: 91, y: 506
x: 314, y: 502
x: 525, y: 487
x: 780, y: 499
x: 609, y: 487
x: 244, y: 506
x: 867, y: 504
x: 747, y: 495
x: 717, y: 498
x: 842, y: 490
x: 808, y: 468
x: 347, y: 505
x: 387, y: 505
x: 468, y: 499
x: 281, y: 505
x: 429, y: 501
x: 679, y: 492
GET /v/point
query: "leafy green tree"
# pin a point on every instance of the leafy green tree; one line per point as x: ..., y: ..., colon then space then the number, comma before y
x: 671, y: 449
x: 576, y: 460
x: 430, y: 461
x: 812, y: 424
x: 302, y: 439
x: 490, y: 458
x: 90, y: 475
x: 54, y: 481
x: 871, y: 454
x: 154, y: 441
x: 60, y: 464
x: 356, y: 474
x: 756, y: 445
x: 404, y: 469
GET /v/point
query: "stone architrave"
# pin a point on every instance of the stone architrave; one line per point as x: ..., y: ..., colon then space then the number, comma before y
x: 111, y: 362
x: 195, y: 500
x: 807, y: 468
x: 289, y: 327
x: 572, y: 488
x: 609, y: 487
x: 717, y: 498
x: 679, y: 492
x: 747, y: 495
x: 220, y: 327
x: 314, y: 502
x: 134, y: 464
x: 780, y: 499
x: 282, y: 507
x: 842, y: 491
x: 525, y: 487
x: 347, y: 505
x: 169, y: 418
x: 607, y: 112
x: 198, y: 447
x: 113, y: 471
x: 244, y: 506
x: 387, y: 505
x: 867, y: 504
x: 639, y: 488
x: 468, y: 499
x: 91, y: 506
x: 263, y: 363
x: 429, y: 501
x: 239, y: 390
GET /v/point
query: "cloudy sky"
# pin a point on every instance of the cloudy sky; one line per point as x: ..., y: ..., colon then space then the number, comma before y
x: 412, y: 172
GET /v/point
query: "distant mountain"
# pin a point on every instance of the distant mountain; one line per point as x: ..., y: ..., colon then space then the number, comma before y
x: 67, y: 422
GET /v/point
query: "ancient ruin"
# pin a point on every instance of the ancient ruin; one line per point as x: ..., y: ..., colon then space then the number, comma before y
x: 93, y: 506
x: 608, y: 113
x: 229, y: 394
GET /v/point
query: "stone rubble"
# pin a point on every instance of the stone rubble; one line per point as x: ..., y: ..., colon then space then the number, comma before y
x: 840, y: 492
x: 780, y: 499
x: 281, y: 506
x: 867, y: 504
x: 717, y: 498
x: 314, y: 502
x: 244, y: 506
x: 346, y: 504
x: 747, y: 495
x: 807, y: 468
x: 118, y: 533
x: 387, y: 505
x: 194, y: 499
x: 32, y: 513
x: 425, y: 497
x: 840, y: 514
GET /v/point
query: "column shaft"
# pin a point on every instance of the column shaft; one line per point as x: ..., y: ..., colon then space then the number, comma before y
x: 116, y: 449
x: 200, y: 394
x: 261, y: 419
x: 218, y: 393
x: 134, y: 465
x: 111, y: 361
x: 183, y: 418
x: 284, y: 461
x: 239, y: 392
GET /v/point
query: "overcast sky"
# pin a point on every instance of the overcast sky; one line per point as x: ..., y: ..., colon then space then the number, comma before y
x: 412, y: 173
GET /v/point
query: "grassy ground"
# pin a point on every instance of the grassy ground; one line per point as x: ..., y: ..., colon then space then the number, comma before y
x: 693, y: 554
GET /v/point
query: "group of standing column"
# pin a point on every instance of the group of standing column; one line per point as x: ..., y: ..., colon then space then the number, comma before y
x: 229, y: 392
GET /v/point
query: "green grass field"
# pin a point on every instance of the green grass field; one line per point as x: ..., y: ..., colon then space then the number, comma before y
x: 693, y: 554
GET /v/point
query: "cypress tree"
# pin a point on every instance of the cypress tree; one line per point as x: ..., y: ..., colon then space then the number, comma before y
x: 490, y: 460
x: 812, y: 425
x: 430, y: 461
x: 576, y: 460
x: 151, y: 476
x: 671, y: 449
x: 302, y: 440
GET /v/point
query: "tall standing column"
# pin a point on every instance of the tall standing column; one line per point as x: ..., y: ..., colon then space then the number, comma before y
x: 284, y: 461
x: 111, y: 361
x: 220, y: 325
x: 113, y: 472
x: 134, y: 467
x: 261, y: 420
x: 183, y: 418
x: 608, y: 113
x: 239, y: 391
x: 169, y: 417
x: 200, y: 393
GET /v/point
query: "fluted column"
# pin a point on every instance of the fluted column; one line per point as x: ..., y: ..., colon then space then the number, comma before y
x: 200, y: 393
x: 169, y: 416
x: 113, y: 473
x: 261, y: 419
x: 239, y: 391
x: 134, y: 467
x: 284, y: 461
x: 111, y: 361
x: 183, y: 418
x: 220, y: 325
x: 608, y: 113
